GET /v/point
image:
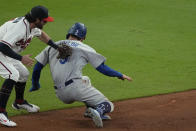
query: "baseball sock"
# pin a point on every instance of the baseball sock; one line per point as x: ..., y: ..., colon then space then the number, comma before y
x: 19, y: 88
x: 5, y: 92
x: 103, y: 108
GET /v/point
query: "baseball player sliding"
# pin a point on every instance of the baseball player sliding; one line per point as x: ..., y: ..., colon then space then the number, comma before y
x: 15, y: 36
x: 69, y: 83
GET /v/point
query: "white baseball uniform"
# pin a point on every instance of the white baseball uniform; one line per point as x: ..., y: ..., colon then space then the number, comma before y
x: 17, y: 35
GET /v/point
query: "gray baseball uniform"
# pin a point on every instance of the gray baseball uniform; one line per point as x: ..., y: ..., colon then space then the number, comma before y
x: 64, y: 70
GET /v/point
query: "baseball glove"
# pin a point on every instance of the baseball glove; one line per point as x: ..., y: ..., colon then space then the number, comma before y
x: 64, y: 51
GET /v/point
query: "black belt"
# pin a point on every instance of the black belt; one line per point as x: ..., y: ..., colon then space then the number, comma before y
x: 66, y: 83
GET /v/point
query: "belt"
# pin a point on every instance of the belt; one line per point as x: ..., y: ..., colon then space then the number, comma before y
x: 66, y: 83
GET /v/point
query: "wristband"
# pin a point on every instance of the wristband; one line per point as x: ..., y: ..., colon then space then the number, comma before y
x: 52, y: 44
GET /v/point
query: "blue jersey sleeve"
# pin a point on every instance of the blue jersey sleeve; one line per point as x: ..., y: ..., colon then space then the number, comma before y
x: 36, y: 76
x: 104, y: 69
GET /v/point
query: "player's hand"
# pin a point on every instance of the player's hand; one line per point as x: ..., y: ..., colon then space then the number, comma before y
x: 126, y: 77
x: 27, y: 60
x: 34, y: 87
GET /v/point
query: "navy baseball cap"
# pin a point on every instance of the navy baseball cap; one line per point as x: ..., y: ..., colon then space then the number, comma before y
x: 41, y: 12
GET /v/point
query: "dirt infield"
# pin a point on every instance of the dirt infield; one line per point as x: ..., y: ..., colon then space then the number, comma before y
x: 171, y: 112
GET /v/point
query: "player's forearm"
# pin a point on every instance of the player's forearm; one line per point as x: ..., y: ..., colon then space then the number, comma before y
x: 104, y: 69
x: 46, y: 39
x: 36, y: 73
x: 6, y: 50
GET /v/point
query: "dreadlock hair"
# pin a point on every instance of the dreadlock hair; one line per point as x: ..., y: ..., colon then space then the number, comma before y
x: 29, y: 18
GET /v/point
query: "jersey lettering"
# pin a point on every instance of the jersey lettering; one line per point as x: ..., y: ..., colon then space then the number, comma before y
x: 74, y: 44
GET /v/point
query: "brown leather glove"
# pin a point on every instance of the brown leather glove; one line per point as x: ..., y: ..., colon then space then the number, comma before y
x: 64, y: 51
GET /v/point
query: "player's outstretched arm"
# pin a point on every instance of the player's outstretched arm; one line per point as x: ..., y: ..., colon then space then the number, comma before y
x: 46, y: 39
x: 106, y: 70
x: 63, y: 52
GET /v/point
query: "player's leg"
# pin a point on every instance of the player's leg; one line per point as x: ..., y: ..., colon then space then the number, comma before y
x: 103, y: 107
x: 66, y: 94
x: 98, y: 105
x: 78, y: 90
x: 20, y: 102
x: 70, y: 93
x: 11, y: 75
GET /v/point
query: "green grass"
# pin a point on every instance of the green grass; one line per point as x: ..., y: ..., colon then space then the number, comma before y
x: 152, y: 41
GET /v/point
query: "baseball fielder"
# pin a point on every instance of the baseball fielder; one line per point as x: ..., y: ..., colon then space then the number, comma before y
x: 69, y: 83
x: 15, y: 36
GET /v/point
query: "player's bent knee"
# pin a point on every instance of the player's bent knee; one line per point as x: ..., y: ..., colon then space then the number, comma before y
x: 24, y: 76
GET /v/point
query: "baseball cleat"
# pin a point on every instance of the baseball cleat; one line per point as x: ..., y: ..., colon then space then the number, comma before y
x: 103, y: 117
x: 95, y: 116
x: 26, y: 106
x: 5, y: 121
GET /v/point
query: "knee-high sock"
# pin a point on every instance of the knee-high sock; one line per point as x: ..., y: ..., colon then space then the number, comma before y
x: 20, y: 88
x: 5, y: 92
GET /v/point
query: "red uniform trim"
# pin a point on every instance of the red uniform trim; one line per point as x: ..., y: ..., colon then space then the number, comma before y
x: 6, y: 68
x: 6, y: 43
x: 26, y: 27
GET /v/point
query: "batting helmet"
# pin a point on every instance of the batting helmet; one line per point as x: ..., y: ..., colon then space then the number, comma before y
x: 78, y: 29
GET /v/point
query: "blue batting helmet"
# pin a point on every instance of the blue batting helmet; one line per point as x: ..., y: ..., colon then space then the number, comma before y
x: 78, y: 29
